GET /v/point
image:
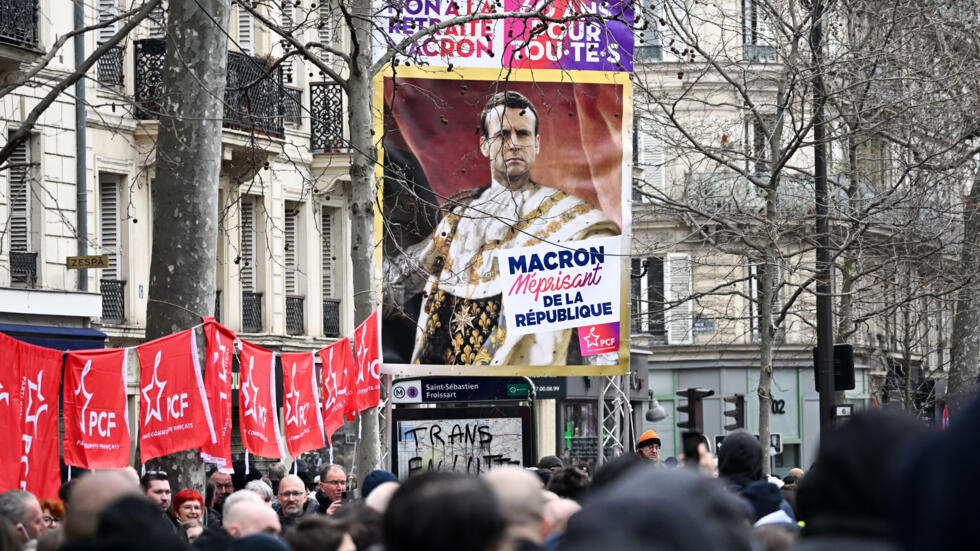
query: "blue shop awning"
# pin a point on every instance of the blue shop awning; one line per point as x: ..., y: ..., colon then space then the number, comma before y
x: 60, y: 338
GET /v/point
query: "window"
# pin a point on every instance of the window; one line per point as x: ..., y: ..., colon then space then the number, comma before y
x: 246, y: 31
x: 251, y: 296
x: 677, y: 287
x: 158, y: 20
x: 648, y: 297
x: 327, y: 259
x: 660, y: 40
x: 109, y: 224
x: 290, y: 255
x: 288, y: 21
x: 107, y: 10
x: 325, y: 27
x: 757, y: 36
x: 650, y: 159
x: 656, y: 284
x: 248, y: 244
x: 20, y: 176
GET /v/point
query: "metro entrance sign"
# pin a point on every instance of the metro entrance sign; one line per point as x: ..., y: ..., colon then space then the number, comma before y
x: 474, y: 389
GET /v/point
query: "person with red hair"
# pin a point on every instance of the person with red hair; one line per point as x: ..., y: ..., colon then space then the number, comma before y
x: 188, y: 508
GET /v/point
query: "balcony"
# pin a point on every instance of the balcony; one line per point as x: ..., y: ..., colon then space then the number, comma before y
x: 251, y: 312
x: 18, y: 23
x: 758, y: 53
x: 217, y: 306
x: 292, y: 106
x: 294, y: 315
x: 110, y: 68
x: 23, y: 269
x: 331, y: 317
x: 113, y: 301
x: 253, y: 96
x: 327, y: 120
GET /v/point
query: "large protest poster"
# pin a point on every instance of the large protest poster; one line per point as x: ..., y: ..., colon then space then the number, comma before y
x: 462, y: 440
x: 464, y: 191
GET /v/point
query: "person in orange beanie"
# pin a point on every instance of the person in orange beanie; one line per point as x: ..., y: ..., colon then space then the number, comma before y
x: 648, y: 447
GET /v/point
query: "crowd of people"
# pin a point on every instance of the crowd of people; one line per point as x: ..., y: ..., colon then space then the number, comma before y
x: 881, y: 481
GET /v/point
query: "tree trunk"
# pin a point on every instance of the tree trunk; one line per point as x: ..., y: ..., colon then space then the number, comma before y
x: 768, y: 285
x: 965, y: 342
x: 363, y: 197
x: 185, y: 193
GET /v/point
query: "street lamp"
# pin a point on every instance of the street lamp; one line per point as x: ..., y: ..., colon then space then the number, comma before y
x: 655, y: 411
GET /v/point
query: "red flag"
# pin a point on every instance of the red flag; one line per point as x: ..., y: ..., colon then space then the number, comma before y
x: 217, y: 387
x: 945, y: 421
x: 304, y: 424
x: 257, y: 416
x: 40, y: 377
x: 368, y: 376
x: 9, y: 412
x: 337, y: 363
x: 173, y: 405
x: 96, y: 417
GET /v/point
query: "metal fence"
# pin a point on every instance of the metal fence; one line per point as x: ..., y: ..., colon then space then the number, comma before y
x: 18, y: 23
x: 113, y: 300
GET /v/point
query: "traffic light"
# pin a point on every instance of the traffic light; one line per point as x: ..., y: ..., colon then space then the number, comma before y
x: 843, y: 367
x: 737, y: 414
x: 693, y: 408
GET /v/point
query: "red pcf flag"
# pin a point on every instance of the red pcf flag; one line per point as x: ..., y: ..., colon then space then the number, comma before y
x: 217, y: 386
x: 304, y: 425
x: 337, y: 364
x: 9, y: 413
x: 96, y: 418
x: 257, y: 402
x: 173, y: 405
x: 40, y: 377
x: 368, y: 364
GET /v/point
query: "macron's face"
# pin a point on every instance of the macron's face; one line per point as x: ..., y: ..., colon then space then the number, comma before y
x: 511, y: 145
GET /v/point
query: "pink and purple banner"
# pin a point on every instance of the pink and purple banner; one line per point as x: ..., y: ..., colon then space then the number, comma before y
x: 585, y: 35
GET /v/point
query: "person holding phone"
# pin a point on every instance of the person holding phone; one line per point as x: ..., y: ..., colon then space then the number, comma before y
x: 333, y: 489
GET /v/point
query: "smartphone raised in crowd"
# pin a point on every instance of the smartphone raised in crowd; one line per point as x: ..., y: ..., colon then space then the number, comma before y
x: 690, y: 441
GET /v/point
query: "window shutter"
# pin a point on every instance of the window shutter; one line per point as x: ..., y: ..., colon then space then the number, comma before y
x: 289, y: 256
x: 677, y: 283
x: 326, y: 253
x: 652, y: 161
x: 20, y: 197
x: 325, y: 27
x: 158, y: 20
x: 246, y: 31
x: 288, y: 22
x: 109, y: 226
x: 248, y: 244
x: 757, y: 35
x: 637, y: 302
x: 754, y: 302
x: 107, y: 10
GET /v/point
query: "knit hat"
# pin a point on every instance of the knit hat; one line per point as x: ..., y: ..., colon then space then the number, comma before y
x: 648, y: 438
x: 184, y: 496
x: 374, y: 479
x: 550, y: 461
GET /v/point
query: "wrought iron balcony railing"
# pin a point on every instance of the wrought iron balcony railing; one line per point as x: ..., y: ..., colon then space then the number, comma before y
x: 292, y: 106
x: 110, y: 68
x: 758, y: 53
x: 217, y: 306
x: 294, y: 315
x: 327, y: 120
x: 331, y: 317
x: 251, y: 312
x: 253, y: 95
x: 18, y: 23
x: 113, y: 300
x: 23, y: 268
